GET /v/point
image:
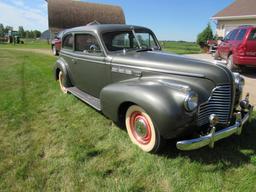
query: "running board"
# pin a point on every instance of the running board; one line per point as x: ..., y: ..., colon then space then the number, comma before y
x: 90, y: 100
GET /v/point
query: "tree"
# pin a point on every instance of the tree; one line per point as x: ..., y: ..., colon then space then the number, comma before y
x: 21, y: 31
x: 1, y: 30
x: 37, y: 34
x: 7, y: 29
x: 26, y: 34
x: 204, y: 36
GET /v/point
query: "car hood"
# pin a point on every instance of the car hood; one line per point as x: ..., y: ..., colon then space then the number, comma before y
x: 163, y: 62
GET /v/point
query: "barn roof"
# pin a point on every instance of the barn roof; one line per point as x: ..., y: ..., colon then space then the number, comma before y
x: 240, y: 9
x: 65, y: 14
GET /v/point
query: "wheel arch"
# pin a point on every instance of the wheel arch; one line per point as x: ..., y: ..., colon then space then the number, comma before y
x: 62, y: 66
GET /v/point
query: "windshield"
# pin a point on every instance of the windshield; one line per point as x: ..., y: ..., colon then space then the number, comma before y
x: 130, y: 40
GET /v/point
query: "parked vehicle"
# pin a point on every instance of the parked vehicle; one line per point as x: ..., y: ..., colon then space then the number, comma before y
x: 213, y: 44
x: 56, y: 43
x: 121, y: 71
x: 239, y: 48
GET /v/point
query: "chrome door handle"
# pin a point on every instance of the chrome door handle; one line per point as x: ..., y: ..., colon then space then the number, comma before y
x: 73, y: 61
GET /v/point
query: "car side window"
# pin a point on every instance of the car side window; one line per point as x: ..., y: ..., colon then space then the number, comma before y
x: 227, y: 37
x: 252, y: 35
x: 241, y: 34
x: 88, y: 44
x: 122, y: 41
x: 68, y: 42
x: 233, y: 35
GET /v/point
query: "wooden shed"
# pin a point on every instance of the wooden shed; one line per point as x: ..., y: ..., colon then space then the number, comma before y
x: 64, y: 14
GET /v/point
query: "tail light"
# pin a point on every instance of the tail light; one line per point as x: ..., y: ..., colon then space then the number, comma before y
x: 241, y: 50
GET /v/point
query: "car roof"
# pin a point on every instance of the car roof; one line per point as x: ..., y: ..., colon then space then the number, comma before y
x: 99, y: 28
x: 246, y: 26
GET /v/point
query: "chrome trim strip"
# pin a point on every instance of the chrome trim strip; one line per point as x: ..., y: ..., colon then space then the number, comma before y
x: 160, y: 70
x: 219, y: 101
x: 83, y: 59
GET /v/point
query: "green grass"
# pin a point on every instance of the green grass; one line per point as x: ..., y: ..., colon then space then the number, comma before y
x: 180, y: 47
x: 55, y: 142
x: 28, y: 44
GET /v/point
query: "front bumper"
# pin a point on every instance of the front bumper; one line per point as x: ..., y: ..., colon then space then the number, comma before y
x: 213, y: 136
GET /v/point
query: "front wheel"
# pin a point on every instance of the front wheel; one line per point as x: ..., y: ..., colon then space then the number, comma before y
x: 141, y: 130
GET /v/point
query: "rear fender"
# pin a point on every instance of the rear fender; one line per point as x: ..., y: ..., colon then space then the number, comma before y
x: 61, y: 65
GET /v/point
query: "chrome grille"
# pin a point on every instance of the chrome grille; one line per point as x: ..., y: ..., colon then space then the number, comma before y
x: 219, y: 104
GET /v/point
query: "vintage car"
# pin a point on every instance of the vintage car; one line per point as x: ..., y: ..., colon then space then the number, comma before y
x: 121, y: 71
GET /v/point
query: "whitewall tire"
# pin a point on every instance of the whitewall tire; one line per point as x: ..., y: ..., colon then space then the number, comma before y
x: 61, y: 80
x: 141, y: 129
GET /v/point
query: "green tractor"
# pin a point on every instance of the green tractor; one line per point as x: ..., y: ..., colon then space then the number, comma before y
x: 14, y: 37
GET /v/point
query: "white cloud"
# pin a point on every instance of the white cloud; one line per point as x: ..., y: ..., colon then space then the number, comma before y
x: 18, y: 14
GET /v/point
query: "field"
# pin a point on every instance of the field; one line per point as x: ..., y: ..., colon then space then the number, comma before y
x: 180, y: 47
x: 55, y: 142
x: 28, y: 44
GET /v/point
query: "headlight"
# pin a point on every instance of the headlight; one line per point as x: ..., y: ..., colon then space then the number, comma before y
x: 191, y: 101
x: 239, y: 81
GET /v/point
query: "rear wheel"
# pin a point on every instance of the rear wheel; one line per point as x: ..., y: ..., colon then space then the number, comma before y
x: 61, y: 82
x: 141, y: 130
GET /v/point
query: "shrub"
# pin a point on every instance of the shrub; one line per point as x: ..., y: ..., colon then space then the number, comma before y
x: 204, y: 36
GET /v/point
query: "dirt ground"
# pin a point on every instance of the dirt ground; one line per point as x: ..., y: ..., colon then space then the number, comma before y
x: 249, y: 76
x: 43, y: 51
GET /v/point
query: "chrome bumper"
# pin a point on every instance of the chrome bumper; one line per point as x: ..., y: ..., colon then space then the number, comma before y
x: 213, y: 136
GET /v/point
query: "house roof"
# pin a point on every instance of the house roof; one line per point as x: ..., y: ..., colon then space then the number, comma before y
x: 240, y: 9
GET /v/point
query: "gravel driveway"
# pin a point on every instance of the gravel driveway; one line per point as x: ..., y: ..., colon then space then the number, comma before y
x: 249, y: 76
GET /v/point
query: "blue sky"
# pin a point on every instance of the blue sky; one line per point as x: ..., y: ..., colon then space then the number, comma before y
x: 169, y: 19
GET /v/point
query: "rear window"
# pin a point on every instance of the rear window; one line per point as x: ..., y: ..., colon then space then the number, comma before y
x: 68, y: 42
x: 252, y: 35
x: 241, y: 34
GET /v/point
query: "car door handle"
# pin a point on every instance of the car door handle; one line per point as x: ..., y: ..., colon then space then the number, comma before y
x: 73, y: 61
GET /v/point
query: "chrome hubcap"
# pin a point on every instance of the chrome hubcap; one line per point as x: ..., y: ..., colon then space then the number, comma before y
x: 141, y: 127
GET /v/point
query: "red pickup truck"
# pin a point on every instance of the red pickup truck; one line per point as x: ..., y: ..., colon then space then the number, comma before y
x: 239, y: 48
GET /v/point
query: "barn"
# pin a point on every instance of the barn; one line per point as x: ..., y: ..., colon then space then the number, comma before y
x: 64, y: 14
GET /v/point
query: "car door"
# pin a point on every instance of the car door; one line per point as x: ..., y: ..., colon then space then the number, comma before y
x: 227, y: 43
x: 89, y: 68
x: 251, y: 44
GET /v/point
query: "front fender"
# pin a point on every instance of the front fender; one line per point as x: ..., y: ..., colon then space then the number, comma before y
x: 165, y: 105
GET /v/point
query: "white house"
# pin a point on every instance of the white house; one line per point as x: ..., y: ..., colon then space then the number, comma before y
x: 240, y: 12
